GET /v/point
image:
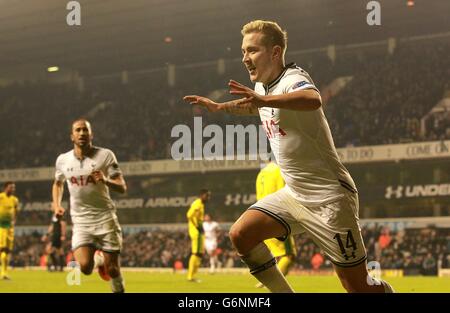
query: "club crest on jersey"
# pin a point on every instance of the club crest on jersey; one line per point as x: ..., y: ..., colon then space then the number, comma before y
x: 82, y: 180
x: 272, y: 129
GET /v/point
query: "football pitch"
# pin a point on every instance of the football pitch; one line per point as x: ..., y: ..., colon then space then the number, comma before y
x: 137, y: 282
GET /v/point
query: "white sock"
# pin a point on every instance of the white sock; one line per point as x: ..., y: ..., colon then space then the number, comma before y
x: 117, y: 284
x: 264, y: 267
x: 99, y: 259
x: 213, y: 263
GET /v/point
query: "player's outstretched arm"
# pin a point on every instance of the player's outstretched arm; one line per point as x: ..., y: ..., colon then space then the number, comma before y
x: 238, y: 107
x: 57, y: 193
x: 301, y: 100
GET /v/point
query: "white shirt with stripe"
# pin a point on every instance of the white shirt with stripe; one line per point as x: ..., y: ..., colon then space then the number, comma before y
x: 302, y: 144
x: 90, y: 202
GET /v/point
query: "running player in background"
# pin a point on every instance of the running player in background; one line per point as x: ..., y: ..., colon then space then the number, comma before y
x: 195, y: 216
x: 320, y: 197
x: 211, y: 229
x: 268, y: 181
x: 90, y: 173
x: 56, y: 234
x: 9, y: 205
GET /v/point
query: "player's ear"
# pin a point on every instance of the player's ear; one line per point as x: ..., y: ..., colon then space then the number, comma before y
x: 276, y: 52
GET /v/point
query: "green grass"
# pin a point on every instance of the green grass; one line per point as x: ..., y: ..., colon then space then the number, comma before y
x: 41, y: 281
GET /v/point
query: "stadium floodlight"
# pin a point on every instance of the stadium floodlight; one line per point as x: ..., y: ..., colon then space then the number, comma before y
x: 52, y: 69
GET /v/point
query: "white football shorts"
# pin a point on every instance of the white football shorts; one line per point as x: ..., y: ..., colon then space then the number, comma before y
x: 334, y: 226
x: 105, y: 236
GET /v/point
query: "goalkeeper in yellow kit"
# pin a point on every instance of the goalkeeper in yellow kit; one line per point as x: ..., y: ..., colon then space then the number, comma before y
x: 268, y: 181
x: 195, y: 220
x: 8, y: 212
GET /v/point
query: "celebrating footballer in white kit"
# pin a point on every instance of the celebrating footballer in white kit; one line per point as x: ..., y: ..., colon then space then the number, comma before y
x: 90, y: 172
x: 320, y: 197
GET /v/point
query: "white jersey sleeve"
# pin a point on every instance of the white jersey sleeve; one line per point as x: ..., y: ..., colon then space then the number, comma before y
x: 297, y: 80
x: 111, y: 164
x: 59, y: 174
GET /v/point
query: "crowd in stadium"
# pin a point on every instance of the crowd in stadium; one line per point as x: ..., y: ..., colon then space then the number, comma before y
x: 416, y: 251
x: 383, y: 103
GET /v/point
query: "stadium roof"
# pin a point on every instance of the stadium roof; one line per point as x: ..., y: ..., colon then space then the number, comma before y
x: 116, y: 34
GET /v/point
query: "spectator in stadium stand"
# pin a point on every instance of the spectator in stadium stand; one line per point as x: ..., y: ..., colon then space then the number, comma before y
x: 390, y: 106
x: 385, y: 238
x: 429, y: 265
x: 178, y: 265
x: 317, y: 261
x: 144, y: 249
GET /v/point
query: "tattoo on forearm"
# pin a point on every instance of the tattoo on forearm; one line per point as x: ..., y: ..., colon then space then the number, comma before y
x: 238, y: 108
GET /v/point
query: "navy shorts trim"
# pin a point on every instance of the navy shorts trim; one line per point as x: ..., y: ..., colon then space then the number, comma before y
x: 351, y: 264
x: 278, y: 218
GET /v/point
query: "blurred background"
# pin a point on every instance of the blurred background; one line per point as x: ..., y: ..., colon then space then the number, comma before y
x: 386, y: 92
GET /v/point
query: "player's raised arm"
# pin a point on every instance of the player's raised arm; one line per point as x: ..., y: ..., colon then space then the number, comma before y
x: 301, y: 100
x: 57, y: 194
x: 238, y: 107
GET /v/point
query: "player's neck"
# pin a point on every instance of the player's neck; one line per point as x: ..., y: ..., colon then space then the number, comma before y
x: 81, y: 152
x: 276, y: 72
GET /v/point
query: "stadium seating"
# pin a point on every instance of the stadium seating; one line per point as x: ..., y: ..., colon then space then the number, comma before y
x: 416, y: 251
x: 383, y: 103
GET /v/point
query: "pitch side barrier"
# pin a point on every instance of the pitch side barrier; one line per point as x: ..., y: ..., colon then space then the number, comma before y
x: 349, y: 155
x: 392, y: 223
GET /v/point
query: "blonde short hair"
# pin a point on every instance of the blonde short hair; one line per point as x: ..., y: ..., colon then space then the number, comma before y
x: 273, y: 34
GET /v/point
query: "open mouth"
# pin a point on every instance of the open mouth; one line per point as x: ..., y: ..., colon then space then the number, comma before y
x: 251, y: 69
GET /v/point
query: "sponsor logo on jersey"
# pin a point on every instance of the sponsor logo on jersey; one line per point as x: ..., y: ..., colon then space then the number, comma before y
x: 82, y: 180
x: 272, y: 129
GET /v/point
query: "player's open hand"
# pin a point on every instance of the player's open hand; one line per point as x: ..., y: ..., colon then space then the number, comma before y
x: 203, y: 101
x: 98, y: 176
x: 240, y: 90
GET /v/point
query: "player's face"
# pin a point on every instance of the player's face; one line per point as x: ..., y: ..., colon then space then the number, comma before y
x: 81, y: 134
x: 257, y: 58
x: 10, y: 189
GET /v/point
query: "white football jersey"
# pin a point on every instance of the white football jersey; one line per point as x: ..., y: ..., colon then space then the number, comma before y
x: 302, y: 144
x: 210, y: 229
x: 90, y: 202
